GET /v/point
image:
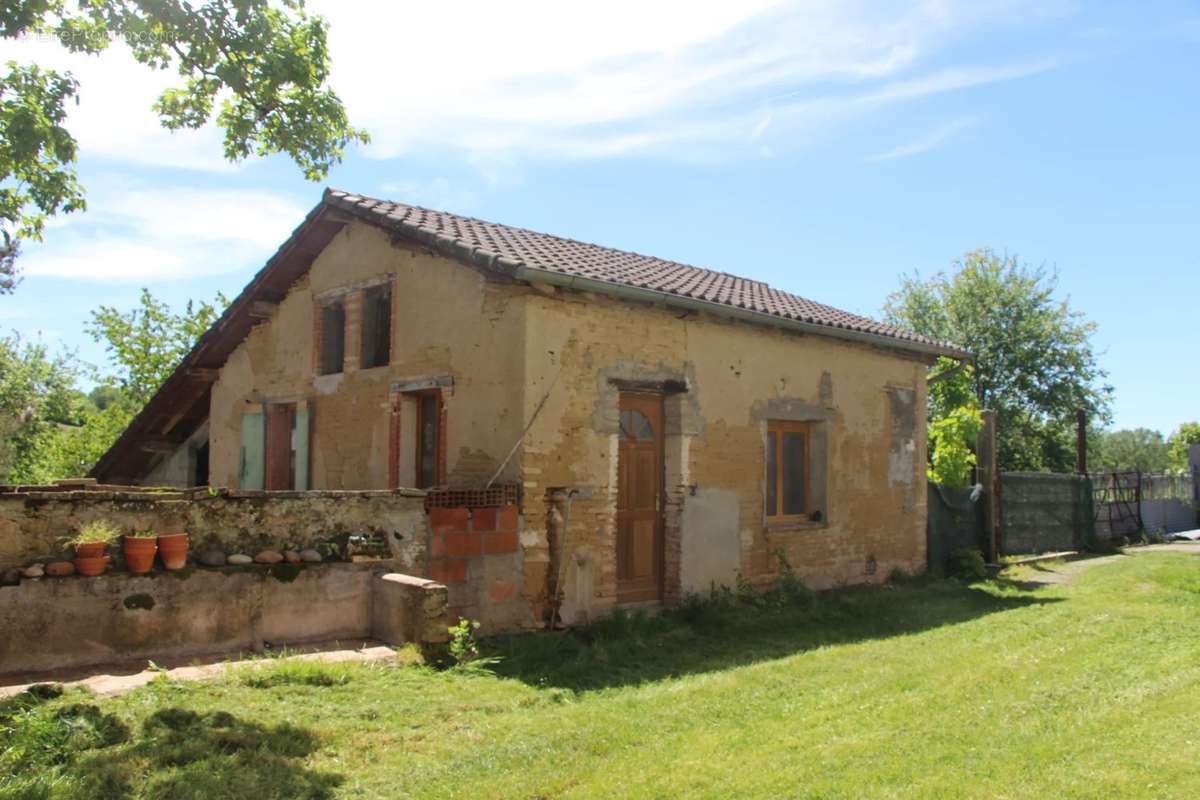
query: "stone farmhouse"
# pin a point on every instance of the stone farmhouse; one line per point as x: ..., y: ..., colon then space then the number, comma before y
x: 592, y: 425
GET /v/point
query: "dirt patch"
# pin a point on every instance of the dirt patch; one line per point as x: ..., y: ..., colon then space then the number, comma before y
x: 1038, y: 575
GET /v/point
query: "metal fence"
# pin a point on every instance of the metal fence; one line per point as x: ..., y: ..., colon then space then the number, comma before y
x: 1130, y: 503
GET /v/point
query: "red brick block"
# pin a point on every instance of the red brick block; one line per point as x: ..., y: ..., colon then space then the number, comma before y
x: 500, y: 542
x: 437, y: 545
x: 502, y: 591
x: 448, y: 519
x: 483, y: 519
x: 448, y: 570
x: 508, y: 519
x: 463, y: 545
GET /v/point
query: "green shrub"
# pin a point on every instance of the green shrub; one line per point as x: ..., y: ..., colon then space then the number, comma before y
x: 100, y: 530
x: 746, y: 592
x: 967, y: 564
x: 788, y: 589
x: 463, y: 647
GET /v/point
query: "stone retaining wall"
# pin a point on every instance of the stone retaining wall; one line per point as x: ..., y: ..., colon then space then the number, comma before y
x: 54, y: 623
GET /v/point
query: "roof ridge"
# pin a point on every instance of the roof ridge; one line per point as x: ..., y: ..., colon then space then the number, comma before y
x: 344, y: 194
x: 503, y: 247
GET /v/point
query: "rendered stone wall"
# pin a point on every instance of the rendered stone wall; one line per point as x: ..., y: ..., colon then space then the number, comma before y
x: 866, y: 404
x: 447, y: 320
x: 34, y: 525
x: 53, y: 623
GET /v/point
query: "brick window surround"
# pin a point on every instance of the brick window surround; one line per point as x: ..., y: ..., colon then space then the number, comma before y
x: 399, y: 447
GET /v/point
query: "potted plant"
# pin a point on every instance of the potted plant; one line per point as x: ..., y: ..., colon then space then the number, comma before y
x: 174, y: 550
x: 91, y: 546
x: 140, y: 547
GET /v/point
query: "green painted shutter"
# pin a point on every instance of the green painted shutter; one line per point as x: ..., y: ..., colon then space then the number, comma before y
x: 251, y: 464
x: 301, y: 434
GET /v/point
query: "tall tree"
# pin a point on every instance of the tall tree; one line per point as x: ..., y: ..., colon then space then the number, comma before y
x: 1139, y: 449
x: 1034, y: 363
x: 38, y: 402
x: 259, y: 67
x: 49, y: 428
x: 146, y: 343
x: 1179, y: 443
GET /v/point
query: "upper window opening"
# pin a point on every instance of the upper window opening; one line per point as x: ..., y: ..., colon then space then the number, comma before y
x: 333, y: 338
x: 376, y: 326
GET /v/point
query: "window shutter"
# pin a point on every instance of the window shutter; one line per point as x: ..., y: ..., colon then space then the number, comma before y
x: 251, y: 464
x: 301, y: 446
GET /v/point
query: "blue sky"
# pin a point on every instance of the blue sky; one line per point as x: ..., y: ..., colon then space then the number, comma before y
x: 824, y: 147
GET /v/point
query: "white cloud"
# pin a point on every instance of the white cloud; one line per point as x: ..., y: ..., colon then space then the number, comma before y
x: 496, y: 81
x: 929, y: 141
x: 158, y: 234
x: 675, y: 78
x: 113, y: 119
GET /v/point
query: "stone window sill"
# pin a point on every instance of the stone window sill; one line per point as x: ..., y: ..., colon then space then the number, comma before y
x: 796, y: 525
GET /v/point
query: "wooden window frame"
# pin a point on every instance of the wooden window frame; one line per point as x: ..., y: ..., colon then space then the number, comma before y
x: 439, y: 445
x: 775, y: 430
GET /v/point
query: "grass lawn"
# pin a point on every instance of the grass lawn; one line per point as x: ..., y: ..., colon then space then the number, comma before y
x: 920, y: 690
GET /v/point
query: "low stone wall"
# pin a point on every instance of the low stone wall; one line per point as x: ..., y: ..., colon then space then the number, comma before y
x: 35, y: 523
x: 53, y: 623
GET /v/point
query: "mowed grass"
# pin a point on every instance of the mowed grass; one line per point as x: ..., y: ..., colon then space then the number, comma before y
x: 925, y: 689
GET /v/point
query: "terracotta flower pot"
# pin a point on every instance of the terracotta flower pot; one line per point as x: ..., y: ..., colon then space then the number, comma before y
x: 139, y: 553
x: 91, y: 550
x: 174, y: 549
x: 92, y: 566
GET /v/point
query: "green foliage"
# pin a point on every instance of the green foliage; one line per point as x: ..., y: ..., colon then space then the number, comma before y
x: 951, y: 439
x: 148, y: 342
x: 259, y: 68
x: 1140, y: 449
x: 40, y: 411
x: 1177, y: 445
x: 100, y: 530
x: 463, y: 647
x: 788, y: 589
x: 50, y: 429
x: 37, y: 178
x: 967, y: 564
x: 1034, y: 363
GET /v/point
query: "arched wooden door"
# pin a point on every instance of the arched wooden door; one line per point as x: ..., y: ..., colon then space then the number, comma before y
x: 639, y: 499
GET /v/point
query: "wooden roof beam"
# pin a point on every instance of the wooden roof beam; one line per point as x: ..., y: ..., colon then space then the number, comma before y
x: 262, y: 309
x: 203, y: 374
x: 159, y: 444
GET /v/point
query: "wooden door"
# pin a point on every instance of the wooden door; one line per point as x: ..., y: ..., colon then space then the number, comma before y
x: 639, y: 499
x: 280, y: 423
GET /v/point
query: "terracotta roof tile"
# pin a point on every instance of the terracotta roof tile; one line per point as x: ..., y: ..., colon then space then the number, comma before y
x: 505, y: 248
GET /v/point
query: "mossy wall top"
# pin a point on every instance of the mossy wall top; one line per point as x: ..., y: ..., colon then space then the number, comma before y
x: 34, y: 525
